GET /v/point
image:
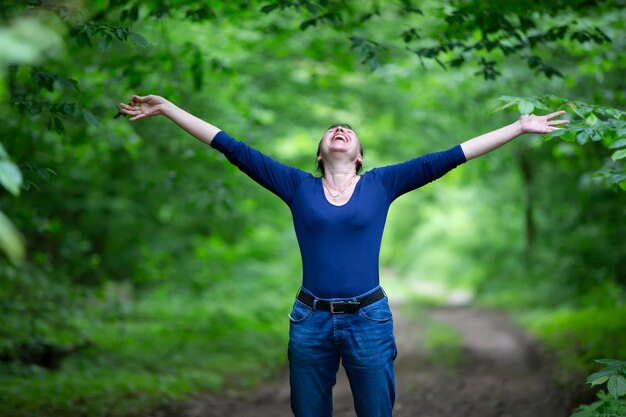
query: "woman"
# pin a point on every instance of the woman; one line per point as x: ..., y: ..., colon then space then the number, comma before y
x: 340, y: 313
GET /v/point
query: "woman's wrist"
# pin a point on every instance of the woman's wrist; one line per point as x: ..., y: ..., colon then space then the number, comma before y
x: 168, y: 109
x: 517, y: 128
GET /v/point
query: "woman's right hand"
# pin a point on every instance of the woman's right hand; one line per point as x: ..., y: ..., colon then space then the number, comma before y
x: 146, y: 106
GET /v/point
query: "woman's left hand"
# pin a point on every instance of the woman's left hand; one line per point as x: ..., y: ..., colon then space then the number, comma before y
x: 540, y: 124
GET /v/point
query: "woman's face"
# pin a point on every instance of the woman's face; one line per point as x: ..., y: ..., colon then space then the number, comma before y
x: 340, y: 139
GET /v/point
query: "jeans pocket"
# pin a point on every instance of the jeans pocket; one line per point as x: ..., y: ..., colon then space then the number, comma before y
x: 378, y: 312
x: 299, y: 312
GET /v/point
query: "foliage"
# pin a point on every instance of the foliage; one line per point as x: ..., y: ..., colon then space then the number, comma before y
x: 150, y: 351
x: 457, y: 32
x: 579, y: 336
x: 607, y: 404
x: 604, y: 125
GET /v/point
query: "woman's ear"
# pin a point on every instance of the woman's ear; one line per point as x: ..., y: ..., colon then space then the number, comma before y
x: 319, y: 158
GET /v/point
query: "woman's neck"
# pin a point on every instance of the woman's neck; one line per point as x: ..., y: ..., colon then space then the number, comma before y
x: 339, y: 177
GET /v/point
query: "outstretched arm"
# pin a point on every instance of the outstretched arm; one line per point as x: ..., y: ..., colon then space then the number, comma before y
x: 148, y: 106
x: 487, y: 142
x: 280, y: 179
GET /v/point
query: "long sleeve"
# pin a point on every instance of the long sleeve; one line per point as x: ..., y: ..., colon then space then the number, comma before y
x: 404, y: 177
x: 280, y: 179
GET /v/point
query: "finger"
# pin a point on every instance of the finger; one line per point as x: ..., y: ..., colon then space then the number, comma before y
x: 129, y: 110
x: 139, y: 116
x: 132, y: 112
x: 555, y: 114
x: 557, y: 122
x: 139, y: 99
x: 128, y: 107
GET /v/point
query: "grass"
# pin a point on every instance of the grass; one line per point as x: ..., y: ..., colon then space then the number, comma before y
x: 443, y: 344
x: 162, y: 348
x: 579, y: 336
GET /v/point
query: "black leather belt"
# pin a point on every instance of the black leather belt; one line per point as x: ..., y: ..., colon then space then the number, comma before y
x: 339, y: 307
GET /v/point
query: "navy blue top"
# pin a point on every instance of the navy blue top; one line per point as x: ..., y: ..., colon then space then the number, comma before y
x: 339, y: 245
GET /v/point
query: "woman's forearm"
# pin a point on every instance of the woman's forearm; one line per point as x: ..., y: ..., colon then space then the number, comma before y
x: 487, y: 142
x: 196, y: 127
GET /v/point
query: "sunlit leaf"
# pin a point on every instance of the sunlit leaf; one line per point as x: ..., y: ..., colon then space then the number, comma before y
x: 618, y: 144
x: 608, y: 371
x: 591, y: 119
x: 10, y: 176
x: 619, y: 155
x: 11, y: 240
x: 3, y: 152
x: 599, y: 381
x: 525, y: 107
x: 503, y: 106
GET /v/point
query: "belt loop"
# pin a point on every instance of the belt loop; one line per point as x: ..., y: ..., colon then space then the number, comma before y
x: 314, y: 304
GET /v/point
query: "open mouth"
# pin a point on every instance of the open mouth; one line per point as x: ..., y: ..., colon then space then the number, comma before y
x: 340, y: 137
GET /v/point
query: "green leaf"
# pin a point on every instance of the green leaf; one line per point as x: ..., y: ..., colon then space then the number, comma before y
x: 616, y: 386
x: 58, y: 125
x: 619, y: 155
x: 525, y: 107
x: 503, y: 106
x: 68, y: 108
x: 309, y: 22
x: 618, y: 144
x: 591, y: 119
x: 10, y: 176
x: 599, y: 381
x: 105, y: 43
x: 611, y: 370
x: 582, y: 137
x: 138, y: 39
x: 11, y: 240
x: 269, y: 8
x: 120, y: 34
x: 68, y: 83
x: 616, y: 178
x: 575, y: 109
x: 621, y: 386
x: 89, y: 117
x: 611, y: 362
x: 82, y: 39
x: 3, y: 152
x: 134, y: 13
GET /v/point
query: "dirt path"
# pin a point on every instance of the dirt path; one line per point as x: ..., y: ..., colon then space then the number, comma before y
x: 497, y: 371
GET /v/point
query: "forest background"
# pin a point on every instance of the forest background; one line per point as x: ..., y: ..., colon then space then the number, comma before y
x: 139, y: 266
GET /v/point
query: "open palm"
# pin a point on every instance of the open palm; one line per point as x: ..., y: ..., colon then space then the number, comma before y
x: 141, y: 107
x: 541, y: 124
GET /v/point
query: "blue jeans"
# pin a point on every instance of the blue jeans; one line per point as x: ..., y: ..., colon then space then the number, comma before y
x: 363, y: 342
